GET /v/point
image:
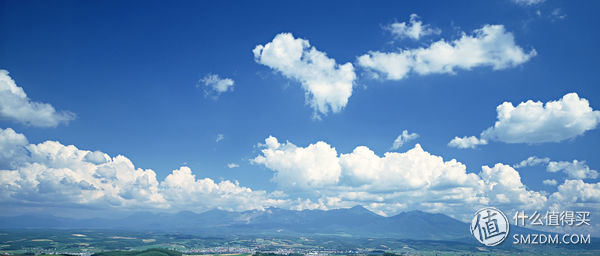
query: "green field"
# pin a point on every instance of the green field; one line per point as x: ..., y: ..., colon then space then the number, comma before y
x: 119, y: 243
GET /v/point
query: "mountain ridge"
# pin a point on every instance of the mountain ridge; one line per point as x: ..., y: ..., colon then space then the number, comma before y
x: 355, y: 222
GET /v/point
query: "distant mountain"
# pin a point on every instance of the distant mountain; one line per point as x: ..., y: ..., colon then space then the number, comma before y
x: 353, y: 222
x: 432, y: 226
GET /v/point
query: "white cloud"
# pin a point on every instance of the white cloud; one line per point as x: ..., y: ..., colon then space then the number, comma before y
x: 528, y: 2
x: 12, y: 148
x: 232, y: 165
x: 574, y: 170
x: 466, y: 142
x: 16, y: 106
x: 415, y: 29
x: 573, y: 192
x: 184, y: 191
x: 220, y: 137
x: 557, y: 14
x: 504, y: 187
x: 52, y: 174
x: 393, y: 182
x: 489, y: 46
x: 404, y: 138
x: 328, y: 85
x: 532, y: 161
x: 537, y: 122
x: 296, y: 167
x: 577, y: 195
x: 215, y: 85
x: 550, y: 182
x: 414, y: 169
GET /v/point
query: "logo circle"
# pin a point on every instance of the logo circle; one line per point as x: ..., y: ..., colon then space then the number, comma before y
x: 490, y: 226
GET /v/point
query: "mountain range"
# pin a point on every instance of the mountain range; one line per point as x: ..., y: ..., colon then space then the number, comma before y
x: 353, y: 222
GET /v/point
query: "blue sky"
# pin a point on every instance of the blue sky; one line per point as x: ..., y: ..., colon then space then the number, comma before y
x: 130, y: 73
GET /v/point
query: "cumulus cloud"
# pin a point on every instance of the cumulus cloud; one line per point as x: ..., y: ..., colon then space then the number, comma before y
x: 50, y: 174
x: 16, y: 106
x: 215, y: 85
x: 297, y: 167
x: 328, y: 85
x: 550, y: 182
x: 415, y: 29
x: 466, y: 142
x: 572, y: 192
x: 574, y: 170
x: 57, y: 175
x: 185, y: 191
x: 505, y: 187
x: 532, y: 161
x: 414, y: 169
x: 404, y: 137
x: 394, y: 182
x: 12, y: 148
x: 490, y: 46
x: 232, y: 165
x: 579, y: 196
x: 537, y: 122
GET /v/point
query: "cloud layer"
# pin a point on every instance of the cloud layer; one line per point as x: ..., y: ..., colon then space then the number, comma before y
x: 50, y: 174
x: 16, y: 106
x: 55, y: 175
x: 394, y: 182
x: 490, y: 46
x: 328, y: 85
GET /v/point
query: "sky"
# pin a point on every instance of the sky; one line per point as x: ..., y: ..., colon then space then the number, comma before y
x: 113, y: 107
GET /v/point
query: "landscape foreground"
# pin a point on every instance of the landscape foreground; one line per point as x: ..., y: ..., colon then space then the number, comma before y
x: 353, y: 231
